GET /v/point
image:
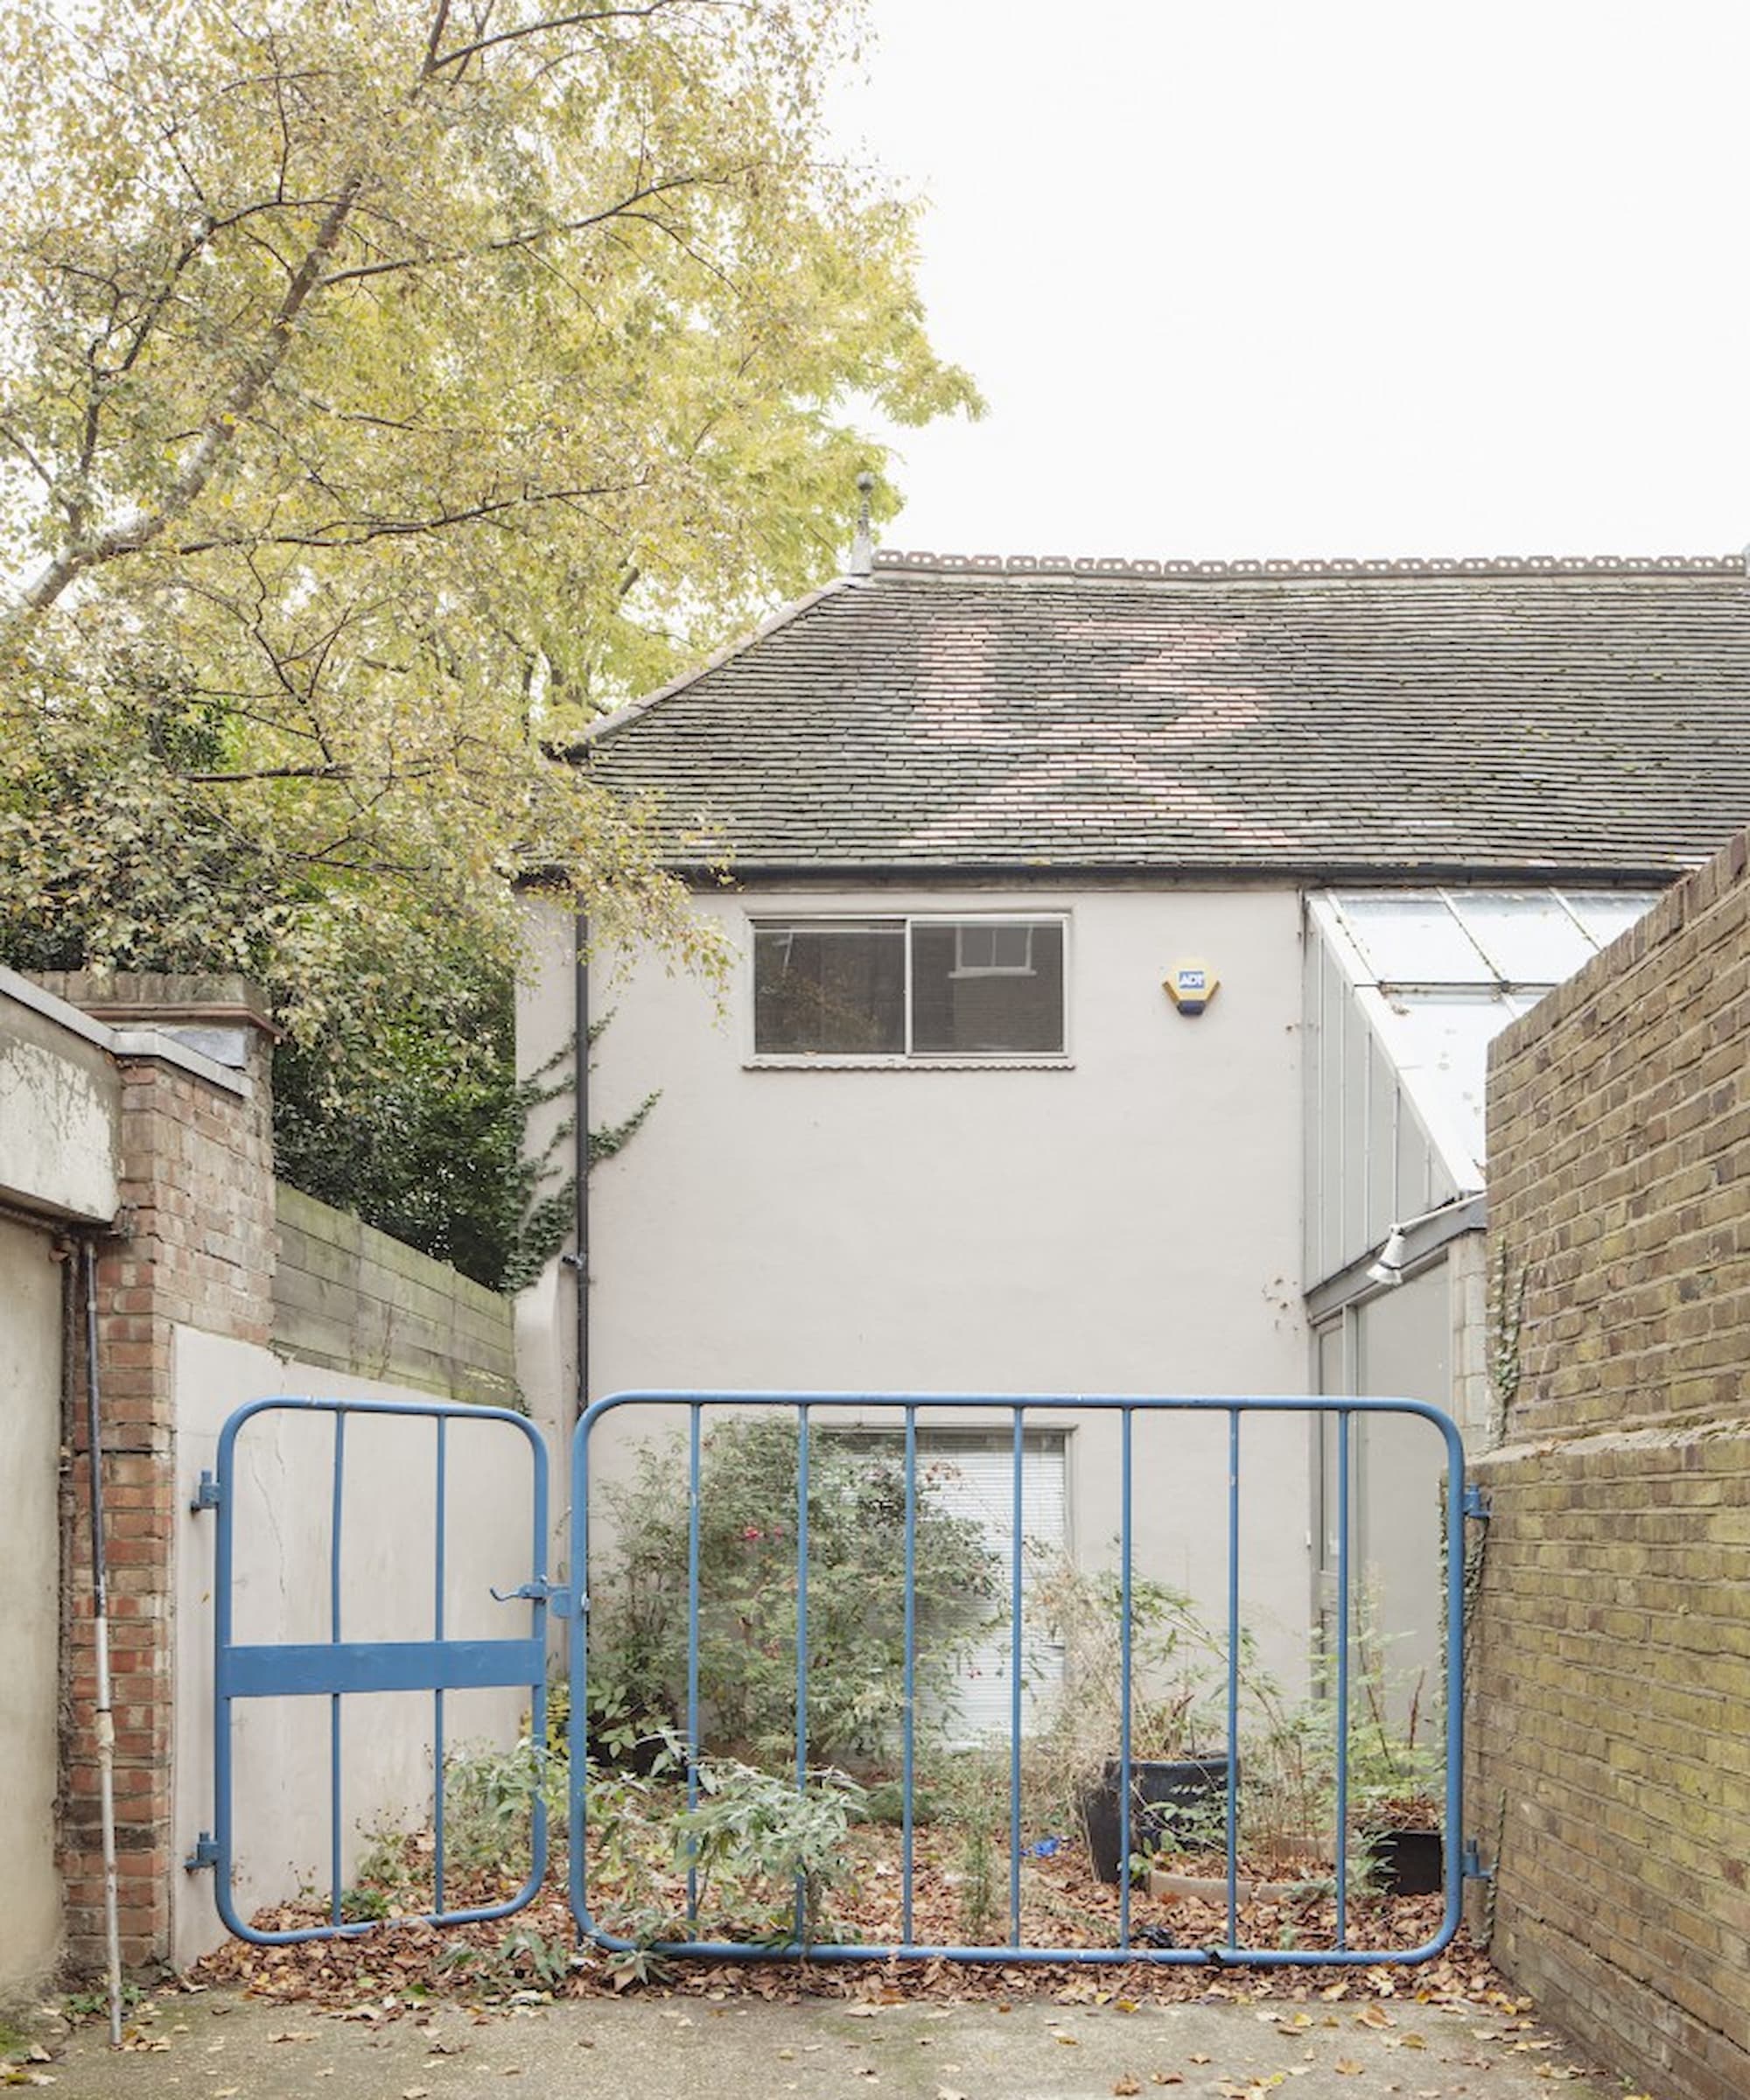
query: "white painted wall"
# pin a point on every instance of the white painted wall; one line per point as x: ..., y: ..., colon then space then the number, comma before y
x: 59, y: 1105
x: 1129, y: 1224
x: 281, y: 1593
x: 30, y: 1621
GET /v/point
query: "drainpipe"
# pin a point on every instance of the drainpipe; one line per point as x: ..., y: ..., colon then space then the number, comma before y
x: 100, y: 1611
x: 580, y: 1260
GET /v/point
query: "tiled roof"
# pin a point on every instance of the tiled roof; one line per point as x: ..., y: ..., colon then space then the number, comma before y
x: 1342, y: 717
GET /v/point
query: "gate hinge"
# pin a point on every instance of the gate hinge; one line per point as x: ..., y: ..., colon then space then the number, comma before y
x: 207, y: 1494
x: 206, y: 1853
x: 557, y: 1596
x: 1470, y: 1862
x: 1476, y: 1503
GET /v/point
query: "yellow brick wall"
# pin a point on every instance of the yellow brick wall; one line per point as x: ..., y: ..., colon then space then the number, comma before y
x: 1610, y: 1687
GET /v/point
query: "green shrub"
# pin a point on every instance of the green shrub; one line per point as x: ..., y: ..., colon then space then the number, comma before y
x: 748, y: 1592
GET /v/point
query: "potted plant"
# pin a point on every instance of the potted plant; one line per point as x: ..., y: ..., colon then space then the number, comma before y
x: 1178, y: 1783
x: 1397, y: 1784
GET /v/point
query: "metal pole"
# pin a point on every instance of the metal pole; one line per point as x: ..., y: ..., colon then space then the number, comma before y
x: 99, y: 1612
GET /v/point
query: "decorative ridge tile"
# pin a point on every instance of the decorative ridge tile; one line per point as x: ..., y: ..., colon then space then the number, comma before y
x: 890, y: 560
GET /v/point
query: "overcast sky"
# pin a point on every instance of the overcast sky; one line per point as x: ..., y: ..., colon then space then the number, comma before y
x: 1340, y: 277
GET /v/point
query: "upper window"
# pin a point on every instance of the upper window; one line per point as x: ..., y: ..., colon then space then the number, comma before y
x: 908, y: 988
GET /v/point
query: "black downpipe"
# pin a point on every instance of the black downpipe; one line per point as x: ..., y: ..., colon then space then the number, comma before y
x: 580, y: 1259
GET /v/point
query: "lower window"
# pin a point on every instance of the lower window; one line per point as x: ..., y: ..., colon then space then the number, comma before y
x: 911, y: 987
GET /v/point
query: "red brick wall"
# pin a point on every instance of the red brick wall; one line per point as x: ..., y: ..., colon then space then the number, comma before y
x: 197, y: 1248
x: 1610, y: 1685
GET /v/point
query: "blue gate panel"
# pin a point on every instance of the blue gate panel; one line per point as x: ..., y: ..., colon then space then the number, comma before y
x: 338, y: 1668
x: 905, y: 1407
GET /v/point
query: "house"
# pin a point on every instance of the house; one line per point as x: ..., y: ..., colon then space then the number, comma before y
x: 1119, y: 944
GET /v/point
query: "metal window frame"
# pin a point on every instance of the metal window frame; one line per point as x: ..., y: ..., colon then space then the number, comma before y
x: 908, y: 1059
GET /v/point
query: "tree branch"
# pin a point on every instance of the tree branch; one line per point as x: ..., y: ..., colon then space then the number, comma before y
x: 219, y: 432
x: 360, y: 532
x: 586, y: 20
x: 533, y: 235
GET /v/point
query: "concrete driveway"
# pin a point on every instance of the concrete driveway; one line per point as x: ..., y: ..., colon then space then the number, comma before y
x: 218, y: 2046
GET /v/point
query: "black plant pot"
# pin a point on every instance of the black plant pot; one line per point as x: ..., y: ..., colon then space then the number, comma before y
x: 1408, y: 1862
x: 1162, y: 1794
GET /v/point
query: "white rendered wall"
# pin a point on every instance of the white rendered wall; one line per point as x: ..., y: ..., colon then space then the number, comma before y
x: 281, y: 1796
x: 1129, y: 1224
x: 30, y: 1622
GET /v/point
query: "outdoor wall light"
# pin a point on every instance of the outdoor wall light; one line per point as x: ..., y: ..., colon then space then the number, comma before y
x: 1389, y: 1269
x: 1388, y: 1266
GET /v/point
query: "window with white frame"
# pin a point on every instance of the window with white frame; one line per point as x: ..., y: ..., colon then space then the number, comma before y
x: 916, y: 987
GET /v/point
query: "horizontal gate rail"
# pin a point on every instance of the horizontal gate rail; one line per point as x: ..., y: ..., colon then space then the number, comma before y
x: 336, y: 1669
x: 905, y: 1408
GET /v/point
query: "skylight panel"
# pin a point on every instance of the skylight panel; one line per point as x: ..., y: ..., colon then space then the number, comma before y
x: 1604, y: 914
x: 1409, y: 937
x: 1527, y: 937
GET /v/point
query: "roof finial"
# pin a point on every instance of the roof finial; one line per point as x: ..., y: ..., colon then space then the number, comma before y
x: 863, y: 547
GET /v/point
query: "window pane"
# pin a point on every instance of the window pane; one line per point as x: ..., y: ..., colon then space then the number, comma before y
x: 1008, y: 1001
x: 830, y: 990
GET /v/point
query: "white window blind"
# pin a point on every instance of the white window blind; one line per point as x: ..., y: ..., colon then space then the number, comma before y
x: 972, y: 1475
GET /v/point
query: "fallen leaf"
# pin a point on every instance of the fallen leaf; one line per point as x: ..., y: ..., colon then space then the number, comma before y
x: 1127, y: 2086
x: 1349, y: 2067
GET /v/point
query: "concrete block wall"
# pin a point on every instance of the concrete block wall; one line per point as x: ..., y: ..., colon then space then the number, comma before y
x: 1611, y: 1643
x: 347, y: 1298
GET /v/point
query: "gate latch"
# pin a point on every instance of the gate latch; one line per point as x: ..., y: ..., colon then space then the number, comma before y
x: 557, y: 1596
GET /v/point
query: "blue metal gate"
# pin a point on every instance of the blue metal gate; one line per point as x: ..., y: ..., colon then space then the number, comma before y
x: 904, y: 1410
x: 336, y: 1669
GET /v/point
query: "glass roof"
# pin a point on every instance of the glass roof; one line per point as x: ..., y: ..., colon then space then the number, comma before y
x: 1441, y: 972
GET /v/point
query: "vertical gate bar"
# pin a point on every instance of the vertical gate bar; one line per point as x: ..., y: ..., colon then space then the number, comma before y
x: 693, y: 1456
x: 1124, y: 1679
x: 334, y: 1634
x: 1233, y: 1676
x: 577, y: 1657
x: 437, y: 1694
x: 801, y: 1640
x: 909, y: 1740
x: 1342, y: 1678
x: 1015, y: 1693
x: 223, y: 1626
x: 1453, y: 1836
x: 540, y: 1546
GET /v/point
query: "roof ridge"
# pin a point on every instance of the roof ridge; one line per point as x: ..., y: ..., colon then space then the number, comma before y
x: 889, y: 560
